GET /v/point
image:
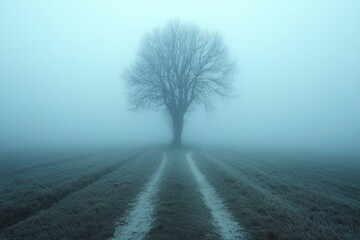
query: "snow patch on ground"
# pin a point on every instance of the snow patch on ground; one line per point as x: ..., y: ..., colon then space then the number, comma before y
x: 139, y: 219
x: 224, y: 222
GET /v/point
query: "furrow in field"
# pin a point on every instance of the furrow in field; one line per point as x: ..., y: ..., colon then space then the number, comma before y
x: 312, y: 170
x: 310, y: 202
x: 262, y: 217
x: 13, y: 213
x: 252, y: 182
x: 222, y: 219
x: 265, y: 218
x: 90, y: 213
x: 139, y: 219
x: 310, y: 181
x: 254, y: 161
x: 284, y: 188
x: 28, y: 165
x: 52, y: 176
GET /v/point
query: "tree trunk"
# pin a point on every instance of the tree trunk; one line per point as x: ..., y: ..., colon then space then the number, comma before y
x: 178, y: 123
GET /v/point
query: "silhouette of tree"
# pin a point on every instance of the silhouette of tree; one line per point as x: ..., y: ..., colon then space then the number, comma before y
x: 178, y: 67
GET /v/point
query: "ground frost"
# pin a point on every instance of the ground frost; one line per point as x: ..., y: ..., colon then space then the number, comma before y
x: 138, y: 221
x: 224, y: 222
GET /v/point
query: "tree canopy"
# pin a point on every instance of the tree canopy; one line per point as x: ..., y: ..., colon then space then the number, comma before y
x: 177, y: 67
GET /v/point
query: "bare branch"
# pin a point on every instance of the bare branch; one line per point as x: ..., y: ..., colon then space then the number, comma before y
x: 177, y: 67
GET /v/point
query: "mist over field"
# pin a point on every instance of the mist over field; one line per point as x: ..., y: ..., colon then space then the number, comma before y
x: 297, y: 80
x: 159, y: 120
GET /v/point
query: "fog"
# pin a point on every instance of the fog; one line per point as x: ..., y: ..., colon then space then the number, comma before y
x: 297, y: 82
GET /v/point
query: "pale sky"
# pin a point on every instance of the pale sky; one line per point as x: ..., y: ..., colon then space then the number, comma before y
x: 298, y: 81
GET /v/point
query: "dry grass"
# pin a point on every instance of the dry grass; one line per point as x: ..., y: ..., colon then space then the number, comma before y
x: 271, y: 196
x: 181, y: 212
x: 283, y: 198
x: 91, y: 211
x: 35, y: 189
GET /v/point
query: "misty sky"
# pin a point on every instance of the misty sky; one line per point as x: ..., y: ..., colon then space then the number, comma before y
x: 298, y: 81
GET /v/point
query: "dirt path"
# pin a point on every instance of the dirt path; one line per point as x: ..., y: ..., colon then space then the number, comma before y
x: 187, y: 207
x: 181, y: 212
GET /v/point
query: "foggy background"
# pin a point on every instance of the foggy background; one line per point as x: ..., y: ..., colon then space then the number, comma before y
x: 298, y: 81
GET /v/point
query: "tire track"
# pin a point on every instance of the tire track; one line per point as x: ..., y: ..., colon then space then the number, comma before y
x: 12, y: 215
x: 139, y: 220
x: 180, y: 210
x: 222, y: 219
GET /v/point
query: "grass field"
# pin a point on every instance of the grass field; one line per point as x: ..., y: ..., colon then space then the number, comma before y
x: 267, y: 195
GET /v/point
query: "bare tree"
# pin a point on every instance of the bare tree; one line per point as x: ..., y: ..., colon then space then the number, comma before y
x: 178, y: 67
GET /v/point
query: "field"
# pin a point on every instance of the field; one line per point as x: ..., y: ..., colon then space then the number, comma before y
x: 188, y: 194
